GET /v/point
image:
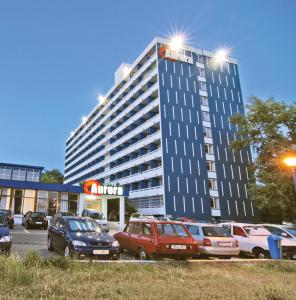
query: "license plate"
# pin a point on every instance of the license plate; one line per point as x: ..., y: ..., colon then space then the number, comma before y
x: 100, y: 252
x: 178, y: 247
x: 225, y: 244
x: 38, y: 222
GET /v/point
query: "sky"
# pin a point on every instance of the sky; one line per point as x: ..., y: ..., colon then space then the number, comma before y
x: 57, y: 56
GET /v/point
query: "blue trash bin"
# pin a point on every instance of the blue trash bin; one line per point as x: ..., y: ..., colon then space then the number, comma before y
x: 275, y: 246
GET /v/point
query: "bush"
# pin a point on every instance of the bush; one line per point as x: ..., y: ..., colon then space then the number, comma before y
x: 58, y: 262
x: 13, y: 272
x: 33, y: 259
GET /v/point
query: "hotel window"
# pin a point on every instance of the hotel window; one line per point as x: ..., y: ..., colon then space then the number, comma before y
x: 200, y: 59
x: 214, y: 202
x: 33, y: 175
x: 201, y: 72
x: 204, y: 101
x: 211, y: 166
x: 207, y: 132
x: 209, y: 149
x: 212, y: 184
x: 202, y: 86
x: 205, y: 116
x: 42, y: 201
x: 73, y: 202
x: 5, y: 173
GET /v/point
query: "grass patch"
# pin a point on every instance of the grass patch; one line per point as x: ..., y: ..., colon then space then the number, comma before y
x: 58, y: 278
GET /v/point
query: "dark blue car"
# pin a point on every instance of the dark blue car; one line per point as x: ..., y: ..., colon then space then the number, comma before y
x: 81, y: 238
x: 5, y: 237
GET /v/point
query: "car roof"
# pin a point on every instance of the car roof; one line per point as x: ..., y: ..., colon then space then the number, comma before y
x: 155, y: 221
x: 239, y: 224
x: 202, y: 224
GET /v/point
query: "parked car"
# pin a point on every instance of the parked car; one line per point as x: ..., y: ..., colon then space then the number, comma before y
x: 34, y: 220
x: 98, y: 217
x: 5, y: 237
x: 288, y: 234
x: 9, y: 217
x: 252, y: 240
x: 213, y: 240
x: 82, y: 238
x: 62, y: 214
x: 138, y: 216
x: 149, y: 238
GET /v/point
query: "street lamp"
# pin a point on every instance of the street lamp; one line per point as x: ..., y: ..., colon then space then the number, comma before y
x: 290, y: 161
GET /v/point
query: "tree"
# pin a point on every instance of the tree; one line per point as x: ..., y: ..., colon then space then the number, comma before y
x: 52, y: 176
x: 269, y: 127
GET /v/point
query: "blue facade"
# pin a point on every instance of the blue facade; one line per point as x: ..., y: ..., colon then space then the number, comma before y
x: 183, y: 121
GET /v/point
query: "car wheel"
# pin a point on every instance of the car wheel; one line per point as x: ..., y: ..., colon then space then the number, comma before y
x: 260, y: 253
x: 142, y: 254
x: 49, y: 244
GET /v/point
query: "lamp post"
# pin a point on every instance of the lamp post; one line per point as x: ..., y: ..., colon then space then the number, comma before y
x: 290, y: 161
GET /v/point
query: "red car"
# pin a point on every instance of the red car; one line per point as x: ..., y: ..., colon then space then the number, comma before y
x: 149, y: 238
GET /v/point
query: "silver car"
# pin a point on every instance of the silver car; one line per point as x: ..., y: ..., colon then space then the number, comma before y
x: 213, y: 240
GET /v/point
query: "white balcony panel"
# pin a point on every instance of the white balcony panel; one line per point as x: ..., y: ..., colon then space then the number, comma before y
x: 203, y: 93
x: 156, y: 172
x: 152, y: 210
x: 201, y: 78
x: 149, y: 107
x: 146, y: 94
x: 148, y: 63
x: 210, y: 157
x: 204, y: 108
x: 212, y: 174
x: 216, y: 212
x: 200, y: 65
x: 136, y: 161
x: 148, y: 140
x: 208, y: 140
x: 206, y: 124
x: 214, y: 193
x: 149, y: 192
x: 137, y: 130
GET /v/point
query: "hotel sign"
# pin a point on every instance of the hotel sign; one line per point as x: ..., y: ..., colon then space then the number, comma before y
x: 94, y: 187
x: 172, y: 55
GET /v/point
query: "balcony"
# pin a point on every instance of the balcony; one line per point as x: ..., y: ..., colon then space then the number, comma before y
x: 216, y: 212
x: 149, y: 192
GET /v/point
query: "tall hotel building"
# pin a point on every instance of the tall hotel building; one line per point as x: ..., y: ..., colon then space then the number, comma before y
x: 163, y: 133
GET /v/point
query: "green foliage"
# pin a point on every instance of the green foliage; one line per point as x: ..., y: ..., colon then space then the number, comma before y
x: 52, y: 176
x: 270, y: 128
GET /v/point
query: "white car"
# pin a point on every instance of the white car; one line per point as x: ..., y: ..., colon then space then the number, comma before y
x: 252, y: 240
x: 97, y: 216
x: 138, y: 216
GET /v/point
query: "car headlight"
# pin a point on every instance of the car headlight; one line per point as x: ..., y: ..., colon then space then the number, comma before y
x: 6, y: 238
x: 78, y: 244
x: 115, y: 244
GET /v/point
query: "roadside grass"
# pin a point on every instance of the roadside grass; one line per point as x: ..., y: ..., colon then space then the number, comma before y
x: 35, y: 277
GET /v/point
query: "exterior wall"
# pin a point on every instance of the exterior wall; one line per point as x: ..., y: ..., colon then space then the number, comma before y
x: 184, y: 164
x: 20, y: 201
x: 153, y: 133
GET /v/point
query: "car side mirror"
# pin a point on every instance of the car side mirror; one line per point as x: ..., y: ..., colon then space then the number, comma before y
x: 284, y: 234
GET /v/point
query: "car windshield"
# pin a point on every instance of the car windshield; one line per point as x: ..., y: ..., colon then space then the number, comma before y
x: 291, y: 230
x: 84, y: 226
x: 37, y: 214
x: 256, y: 231
x: 2, y: 221
x: 147, y: 217
x: 5, y: 212
x: 215, y: 231
x: 171, y: 230
x: 97, y: 216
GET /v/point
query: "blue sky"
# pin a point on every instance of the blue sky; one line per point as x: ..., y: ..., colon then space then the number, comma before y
x: 56, y: 56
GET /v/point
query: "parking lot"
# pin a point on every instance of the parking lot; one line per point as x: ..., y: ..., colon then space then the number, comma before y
x: 24, y: 240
